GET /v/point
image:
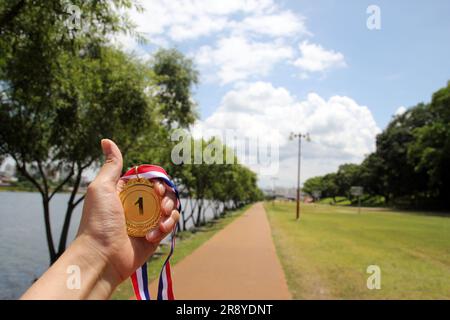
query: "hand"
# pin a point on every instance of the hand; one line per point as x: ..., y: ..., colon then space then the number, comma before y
x: 102, y: 252
x: 103, y: 220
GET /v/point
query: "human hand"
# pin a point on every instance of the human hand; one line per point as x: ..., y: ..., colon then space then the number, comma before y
x: 102, y: 252
x: 102, y: 225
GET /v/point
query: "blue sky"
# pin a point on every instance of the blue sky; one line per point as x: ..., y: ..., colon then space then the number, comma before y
x: 271, y: 67
x: 399, y: 65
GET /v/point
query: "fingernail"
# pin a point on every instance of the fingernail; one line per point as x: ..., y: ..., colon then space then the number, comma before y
x: 163, y: 203
x: 175, y: 215
x: 168, y: 224
x: 151, y: 235
x: 105, y: 146
x: 161, y: 189
x: 168, y: 205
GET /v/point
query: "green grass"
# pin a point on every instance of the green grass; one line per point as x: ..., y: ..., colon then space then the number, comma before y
x: 326, y: 253
x: 17, y: 189
x: 342, y: 201
x: 187, y: 242
x: 366, y: 201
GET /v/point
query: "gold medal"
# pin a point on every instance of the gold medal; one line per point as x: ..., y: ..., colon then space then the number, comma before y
x: 142, y: 206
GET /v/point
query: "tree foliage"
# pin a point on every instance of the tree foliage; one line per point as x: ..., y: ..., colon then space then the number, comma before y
x: 410, y: 164
x: 61, y: 94
x: 218, y: 186
x: 175, y: 76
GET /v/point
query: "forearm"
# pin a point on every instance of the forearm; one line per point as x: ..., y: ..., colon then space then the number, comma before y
x: 80, y: 273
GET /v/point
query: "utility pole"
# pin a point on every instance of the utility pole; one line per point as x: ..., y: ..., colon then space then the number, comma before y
x: 299, y: 136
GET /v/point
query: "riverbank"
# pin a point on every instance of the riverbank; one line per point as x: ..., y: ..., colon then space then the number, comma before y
x: 17, y: 189
x: 187, y: 242
x: 32, y: 189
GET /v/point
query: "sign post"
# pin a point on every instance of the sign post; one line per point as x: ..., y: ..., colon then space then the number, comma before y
x: 357, y: 191
x: 316, y: 194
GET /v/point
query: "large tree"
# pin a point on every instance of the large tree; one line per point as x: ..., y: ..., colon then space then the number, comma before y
x: 401, y: 182
x: 429, y: 152
x: 176, y: 77
x: 348, y: 175
x: 61, y: 92
x: 313, y: 184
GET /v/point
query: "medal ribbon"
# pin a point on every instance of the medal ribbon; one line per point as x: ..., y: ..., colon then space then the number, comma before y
x: 139, y: 277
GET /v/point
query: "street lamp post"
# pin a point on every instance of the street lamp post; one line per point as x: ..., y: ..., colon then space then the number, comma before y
x: 299, y: 136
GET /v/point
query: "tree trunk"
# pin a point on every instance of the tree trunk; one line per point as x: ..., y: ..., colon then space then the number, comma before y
x: 71, y: 204
x: 48, y: 229
x: 191, y: 214
x: 65, y: 230
x: 199, y: 213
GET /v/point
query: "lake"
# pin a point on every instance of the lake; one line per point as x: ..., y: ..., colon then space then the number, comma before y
x: 23, y: 246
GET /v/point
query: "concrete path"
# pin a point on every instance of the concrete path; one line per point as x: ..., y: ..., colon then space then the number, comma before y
x: 239, y: 262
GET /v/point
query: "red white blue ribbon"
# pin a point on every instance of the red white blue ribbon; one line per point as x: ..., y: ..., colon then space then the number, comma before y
x: 139, y: 277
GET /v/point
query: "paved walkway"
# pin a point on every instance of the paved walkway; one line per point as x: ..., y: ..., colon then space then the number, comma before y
x: 239, y: 262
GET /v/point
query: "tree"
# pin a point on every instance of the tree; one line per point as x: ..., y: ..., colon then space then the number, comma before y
x: 429, y: 152
x: 61, y: 95
x: 176, y: 76
x: 372, y: 176
x: 213, y: 185
x: 346, y: 177
x: 401, y: 180
x: 327, y: 184
x: 330, y: 188
x: 313, y: 184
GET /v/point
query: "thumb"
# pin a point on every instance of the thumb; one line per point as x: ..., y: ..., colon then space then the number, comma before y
x: 112, y: 168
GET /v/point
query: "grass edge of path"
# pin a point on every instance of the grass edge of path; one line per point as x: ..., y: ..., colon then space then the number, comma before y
x: 278, y: 249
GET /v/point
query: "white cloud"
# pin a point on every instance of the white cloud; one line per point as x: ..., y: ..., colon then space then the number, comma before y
x: 283, y: 23
x: 341, y: 130
x: 181, y: 20
x: 238, y: 58
x: 246, y: 38
x: 400, y: 110
x: 314, y: 58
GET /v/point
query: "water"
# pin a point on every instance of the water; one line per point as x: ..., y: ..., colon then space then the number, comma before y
x: 23, y: 246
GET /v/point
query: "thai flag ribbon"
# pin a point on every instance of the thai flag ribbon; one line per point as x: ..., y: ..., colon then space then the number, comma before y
x: 139, y: 277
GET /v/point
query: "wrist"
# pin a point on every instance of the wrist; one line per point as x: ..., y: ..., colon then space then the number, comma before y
x: 82, y: 272
x: 97, y: 266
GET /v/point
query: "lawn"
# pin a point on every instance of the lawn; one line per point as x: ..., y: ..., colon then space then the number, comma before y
x: 187, y: 242
x: 366, y: 201
x: 326, y: 253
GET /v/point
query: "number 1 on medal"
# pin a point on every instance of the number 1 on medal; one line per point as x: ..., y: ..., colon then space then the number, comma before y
x: 140, y: 202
